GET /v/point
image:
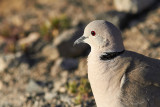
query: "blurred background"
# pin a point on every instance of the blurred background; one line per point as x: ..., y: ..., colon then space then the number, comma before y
x: 39, y: 67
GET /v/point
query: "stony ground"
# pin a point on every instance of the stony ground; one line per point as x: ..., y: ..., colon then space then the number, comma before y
x: 39, y: 67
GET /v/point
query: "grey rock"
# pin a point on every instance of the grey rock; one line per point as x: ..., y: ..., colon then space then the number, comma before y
x: 66, y: 98
x: 133, y: 6
x: 33, y: 42
x: 78, y: 106
x: 64, y: 43
x: 23, y: 68
x: 9, y: 60
x: 115, y: 17
x: 57, y: 85
x: 51, y: 52
x: 56, y: 68
x: 61, y: 81
x: 1, y: 85
x: 50, y: 95
x: 33, y: 87
x: 69, y: 64
x: 64, y: 77
x: 3, y: 64
x: 82, y: 67
x: 134, y: 37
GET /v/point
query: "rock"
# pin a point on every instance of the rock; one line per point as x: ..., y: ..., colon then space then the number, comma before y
x: 57, y: 85
x: 115, y: 17
x: 133, y: 6
x: 30, y: 39
x: 69, y: 64
x: 1, y: 85
x: 66, y: 98
x: 134, y: 39
x: 56, y: 68
x: 64, y: 76
x: 50, y: 96
x: 32, y: 44
x: 33, y: 87
x: 50, y: 52
x: 62, y: 89
x: 3, y: 64
x: 64, y: 43
x: 78, y: 106
x: 23, y: 68
x: 82, y: 68
x: 16, y: 20
x: 144, y: 35
x: 150, y: 28
x: 9, y: 60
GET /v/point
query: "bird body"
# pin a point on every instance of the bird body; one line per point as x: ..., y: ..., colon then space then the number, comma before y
x: 125, y: 79
x: 129, y: 80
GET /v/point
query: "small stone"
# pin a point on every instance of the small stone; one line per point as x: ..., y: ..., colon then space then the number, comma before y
x: 50, y: 52
x: 30, y: 39
x: 133, y: 6
x: 50, y: 96
x: 64, y: 76
x: 82, y: 67
x: 1, y: 85
x: 17, y: 20
x: 56, y: 68
x: 66, y: 98
x: 134, y: 39
x: 3, y: 65
x: 36, y: 104
x: 62, y: 89
x: 78, y: 106
x: 33, y: 87
x: 57, y: 85
x: 7, y: 61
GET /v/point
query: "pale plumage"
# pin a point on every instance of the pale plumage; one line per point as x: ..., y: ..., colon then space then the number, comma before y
x: 127, y: 80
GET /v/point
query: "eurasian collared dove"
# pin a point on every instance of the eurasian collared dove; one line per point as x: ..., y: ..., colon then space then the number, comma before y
x: 119, y: 78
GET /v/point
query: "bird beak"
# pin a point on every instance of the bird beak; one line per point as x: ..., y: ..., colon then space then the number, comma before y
x: 79, y: 40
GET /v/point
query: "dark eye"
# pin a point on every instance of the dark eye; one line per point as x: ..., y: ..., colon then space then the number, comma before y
x: 93, y: 33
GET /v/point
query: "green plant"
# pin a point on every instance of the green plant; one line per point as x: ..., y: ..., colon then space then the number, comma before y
x: 84, y: 86
x: 55, y: 25
x: 60, y: 23
x: 81, y: 90
x: 44, y: 29
x: 72, y: 87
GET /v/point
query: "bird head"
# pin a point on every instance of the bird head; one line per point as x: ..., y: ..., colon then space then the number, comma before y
x: 100, y: 34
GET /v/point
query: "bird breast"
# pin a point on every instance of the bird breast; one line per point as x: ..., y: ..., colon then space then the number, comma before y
x: 105, y: 82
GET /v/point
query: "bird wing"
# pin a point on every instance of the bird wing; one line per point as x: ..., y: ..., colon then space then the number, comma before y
x: 142, y: 83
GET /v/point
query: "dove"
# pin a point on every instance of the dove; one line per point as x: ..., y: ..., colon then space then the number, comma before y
x: 119, y: 77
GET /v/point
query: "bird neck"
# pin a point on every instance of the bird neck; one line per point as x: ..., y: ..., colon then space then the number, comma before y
x: 102, y: 63
x: 106, y: 53
x: 100, y: 58
x: 110, y: 55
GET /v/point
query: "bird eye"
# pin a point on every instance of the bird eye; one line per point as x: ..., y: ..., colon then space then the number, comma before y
x: 93, y: 33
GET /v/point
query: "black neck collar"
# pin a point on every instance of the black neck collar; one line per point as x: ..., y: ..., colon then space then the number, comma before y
x: 110, y: 55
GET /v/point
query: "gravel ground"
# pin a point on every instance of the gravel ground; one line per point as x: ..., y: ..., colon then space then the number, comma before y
x: 39, y: 67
